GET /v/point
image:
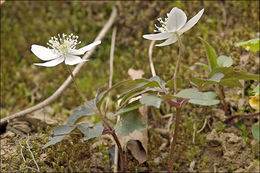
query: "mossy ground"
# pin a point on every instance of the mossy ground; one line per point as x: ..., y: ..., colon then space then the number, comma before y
x: 24, y: 85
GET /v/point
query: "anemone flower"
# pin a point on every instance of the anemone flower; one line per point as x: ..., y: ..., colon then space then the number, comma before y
x: 173, y: 26
x: 62, y: 49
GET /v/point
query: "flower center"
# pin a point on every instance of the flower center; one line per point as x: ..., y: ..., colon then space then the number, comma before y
x: 161, y: 28
x: 63, y: 44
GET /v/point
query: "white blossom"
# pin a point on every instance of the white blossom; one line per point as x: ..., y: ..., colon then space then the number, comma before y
x: 175, y: 23
x: 61, y: 49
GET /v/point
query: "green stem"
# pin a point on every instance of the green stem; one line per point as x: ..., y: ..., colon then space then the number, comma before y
x: 174, y: 141
x: 112, y: 131
x: 177, y: 64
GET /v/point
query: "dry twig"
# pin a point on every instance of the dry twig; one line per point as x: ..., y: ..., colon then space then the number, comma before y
x: 29, y: 148
x: 204, y: 125
x: 21, y: 150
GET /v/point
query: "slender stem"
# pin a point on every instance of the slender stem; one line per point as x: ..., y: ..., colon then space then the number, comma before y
x: 151, y: 58
x: 174, y: 141
x: 177, y: 64
x: 122, y: 158
x: 111, y: 64
x: 242, y: 116
x: 111, y: 130
x: 84, y: 98
x: 222, y: 95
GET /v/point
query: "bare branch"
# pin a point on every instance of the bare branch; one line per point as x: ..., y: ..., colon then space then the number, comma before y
x: 59, y: 91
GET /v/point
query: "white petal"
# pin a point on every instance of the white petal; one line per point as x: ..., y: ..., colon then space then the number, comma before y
x: 191, y: 22
x: 84, y: 49
x: 43, y: 53
x: 51, y: 63
x: 159, y: 36
x: 176, y: 20
x: 72, y: 60
x: 169, y: 41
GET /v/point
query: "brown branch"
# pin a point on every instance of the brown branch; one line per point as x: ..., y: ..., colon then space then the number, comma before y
x: 59, y: 91
x: 241, y: 116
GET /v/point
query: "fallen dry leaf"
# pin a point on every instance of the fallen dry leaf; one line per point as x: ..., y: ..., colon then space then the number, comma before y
x: 135, y: 74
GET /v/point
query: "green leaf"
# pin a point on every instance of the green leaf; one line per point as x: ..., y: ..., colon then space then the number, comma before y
x: 256, y: 90
x: 81, y: 111
x: 223, y: 70
x: 59, y: 134
x: 89, y: 132
x: 252, y: 44
x: 197, y: 97
x: 211, y: 55
x: 157, y: 79
x: 132, y: 106
x: 151, y: 100
x: 129, y: 122
x: 256, y: 131
x: 224, y: 61
x: 204, y: 66
x: 125, y: 100
x: 231, y: 83
x: 216, y: 77
x: 123, y: 84
x: 170, y: 83
x: 138, y: 87
x: 241, y: 75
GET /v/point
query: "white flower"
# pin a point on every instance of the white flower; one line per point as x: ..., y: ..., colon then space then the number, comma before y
x: 173, y: 25
x: 62, y: 49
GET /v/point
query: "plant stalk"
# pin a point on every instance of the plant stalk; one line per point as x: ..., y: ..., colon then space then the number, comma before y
x: 177, y: 64
x: 174, y: 141
x: 111, y: 130
x: 222, y: 95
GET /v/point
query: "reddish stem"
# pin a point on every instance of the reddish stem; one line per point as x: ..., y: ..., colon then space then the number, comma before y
x: 241, y: 116
x: 174, y: 141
